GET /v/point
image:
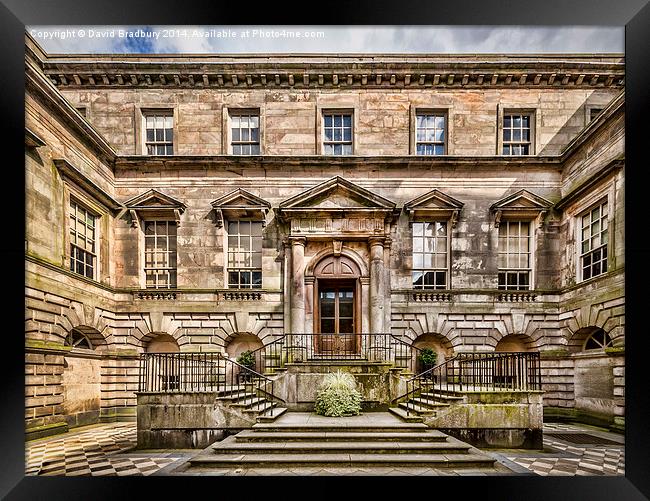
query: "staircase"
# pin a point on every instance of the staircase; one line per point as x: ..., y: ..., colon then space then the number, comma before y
x: 376, y: 439
x: 250, y: 402
x: 429, y: 403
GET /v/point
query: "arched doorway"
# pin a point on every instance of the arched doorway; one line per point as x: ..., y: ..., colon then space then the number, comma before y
x: 337, y: 306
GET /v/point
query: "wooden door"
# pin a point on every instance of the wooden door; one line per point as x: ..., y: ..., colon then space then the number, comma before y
x: 337, y: 318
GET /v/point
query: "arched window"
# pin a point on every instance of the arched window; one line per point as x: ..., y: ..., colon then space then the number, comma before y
x: 598, y: 340
x: 76, y: 339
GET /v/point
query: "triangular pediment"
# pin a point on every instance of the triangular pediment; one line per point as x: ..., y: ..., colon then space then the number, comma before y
x: 434, y: 200
x: 521, y: 200
x: 240, y: 198
x: 154, y: 199
x: 335, y: 194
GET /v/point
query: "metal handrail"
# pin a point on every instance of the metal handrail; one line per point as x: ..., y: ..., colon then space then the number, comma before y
x: 304, y: 346
x: 204, y: 372
x: 508, y: 371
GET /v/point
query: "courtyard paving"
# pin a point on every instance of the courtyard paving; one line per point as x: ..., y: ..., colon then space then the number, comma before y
x: 109, y: 450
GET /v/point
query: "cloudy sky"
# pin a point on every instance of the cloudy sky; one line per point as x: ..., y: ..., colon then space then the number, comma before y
x: 320, y: 39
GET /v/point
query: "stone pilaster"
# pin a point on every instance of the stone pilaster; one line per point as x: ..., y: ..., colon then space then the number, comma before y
x: 377, y: 285
x: 297, y: 284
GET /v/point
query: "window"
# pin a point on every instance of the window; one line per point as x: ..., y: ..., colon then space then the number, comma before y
x: 430, y: 255
x: 245, y: 254
x: 593, y: 257
x: 82, y: 240
x: 81, y: 110
x: 76, y: 339
x: 598, y: 340
x: 430, y: 134
x: 160, y: 254
x: 517, y: 133
x: 594, y: 112
x: 337, y: 133
x: 245, y: 133
x: 159, y: 132
x: 514, y: 255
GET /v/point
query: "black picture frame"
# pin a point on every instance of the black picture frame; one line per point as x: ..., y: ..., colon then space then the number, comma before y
x: 633, y: 14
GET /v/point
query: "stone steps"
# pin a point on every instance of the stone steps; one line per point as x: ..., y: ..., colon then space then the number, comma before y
x: 370, y: 440
x: 337, y: 436
x: 271, y: 416
x: 358, y: 460
x: 315, y: 446
x: 429, y: 402
x: 442, y: 397
x: 401, y: 413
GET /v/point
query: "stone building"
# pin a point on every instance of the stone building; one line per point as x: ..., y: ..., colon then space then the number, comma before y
x: 209, y: 203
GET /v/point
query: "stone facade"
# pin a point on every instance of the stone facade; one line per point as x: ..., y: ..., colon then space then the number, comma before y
x: 355, y: 211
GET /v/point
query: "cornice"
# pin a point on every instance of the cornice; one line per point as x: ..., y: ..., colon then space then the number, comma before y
x: 381, y: 71
x: 38, y: 82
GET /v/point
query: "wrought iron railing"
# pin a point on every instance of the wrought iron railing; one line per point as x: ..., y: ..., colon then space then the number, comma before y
x: 205, y: 372
x: 514, y: 371
x: 303, y: 347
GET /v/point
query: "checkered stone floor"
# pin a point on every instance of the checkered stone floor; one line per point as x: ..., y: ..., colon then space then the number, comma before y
x: 96, y: 450
x: 562, y: 457
x: 109, y: 449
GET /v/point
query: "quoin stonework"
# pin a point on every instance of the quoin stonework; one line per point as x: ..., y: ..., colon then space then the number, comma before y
x: 217, y: 204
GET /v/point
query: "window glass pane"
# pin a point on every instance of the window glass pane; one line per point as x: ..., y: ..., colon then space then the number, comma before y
x: 327, y: 325
x: 338, y: 120
x: 418, y: 229
x: 440, y: 261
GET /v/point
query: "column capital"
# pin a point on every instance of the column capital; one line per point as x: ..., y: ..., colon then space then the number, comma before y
x: 377, y: 241
x: 297, y: 241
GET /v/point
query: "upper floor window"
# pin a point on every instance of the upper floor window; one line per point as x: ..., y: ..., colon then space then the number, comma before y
x: 430, y: 255
x: 594, y: 112
x: 82, y: 240
x: 159, y: 132
x: 517, y: 133
x: 337, y: 133
x: 245, y: 133
x: 245, y: 254
x: 514, y: 255
x: 593, y: 239
x: 430, y: 133
x: 160, y: 254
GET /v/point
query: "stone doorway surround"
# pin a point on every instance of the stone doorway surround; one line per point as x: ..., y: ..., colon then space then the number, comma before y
x: 338, y: 220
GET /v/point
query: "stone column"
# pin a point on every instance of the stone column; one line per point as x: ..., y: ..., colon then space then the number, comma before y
x: 297, y: 284
x: 377, y: 289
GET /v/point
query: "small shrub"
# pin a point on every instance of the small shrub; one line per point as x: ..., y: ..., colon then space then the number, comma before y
x: 338, y: 396
x: 247, y: 359
x: 428, y: 357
